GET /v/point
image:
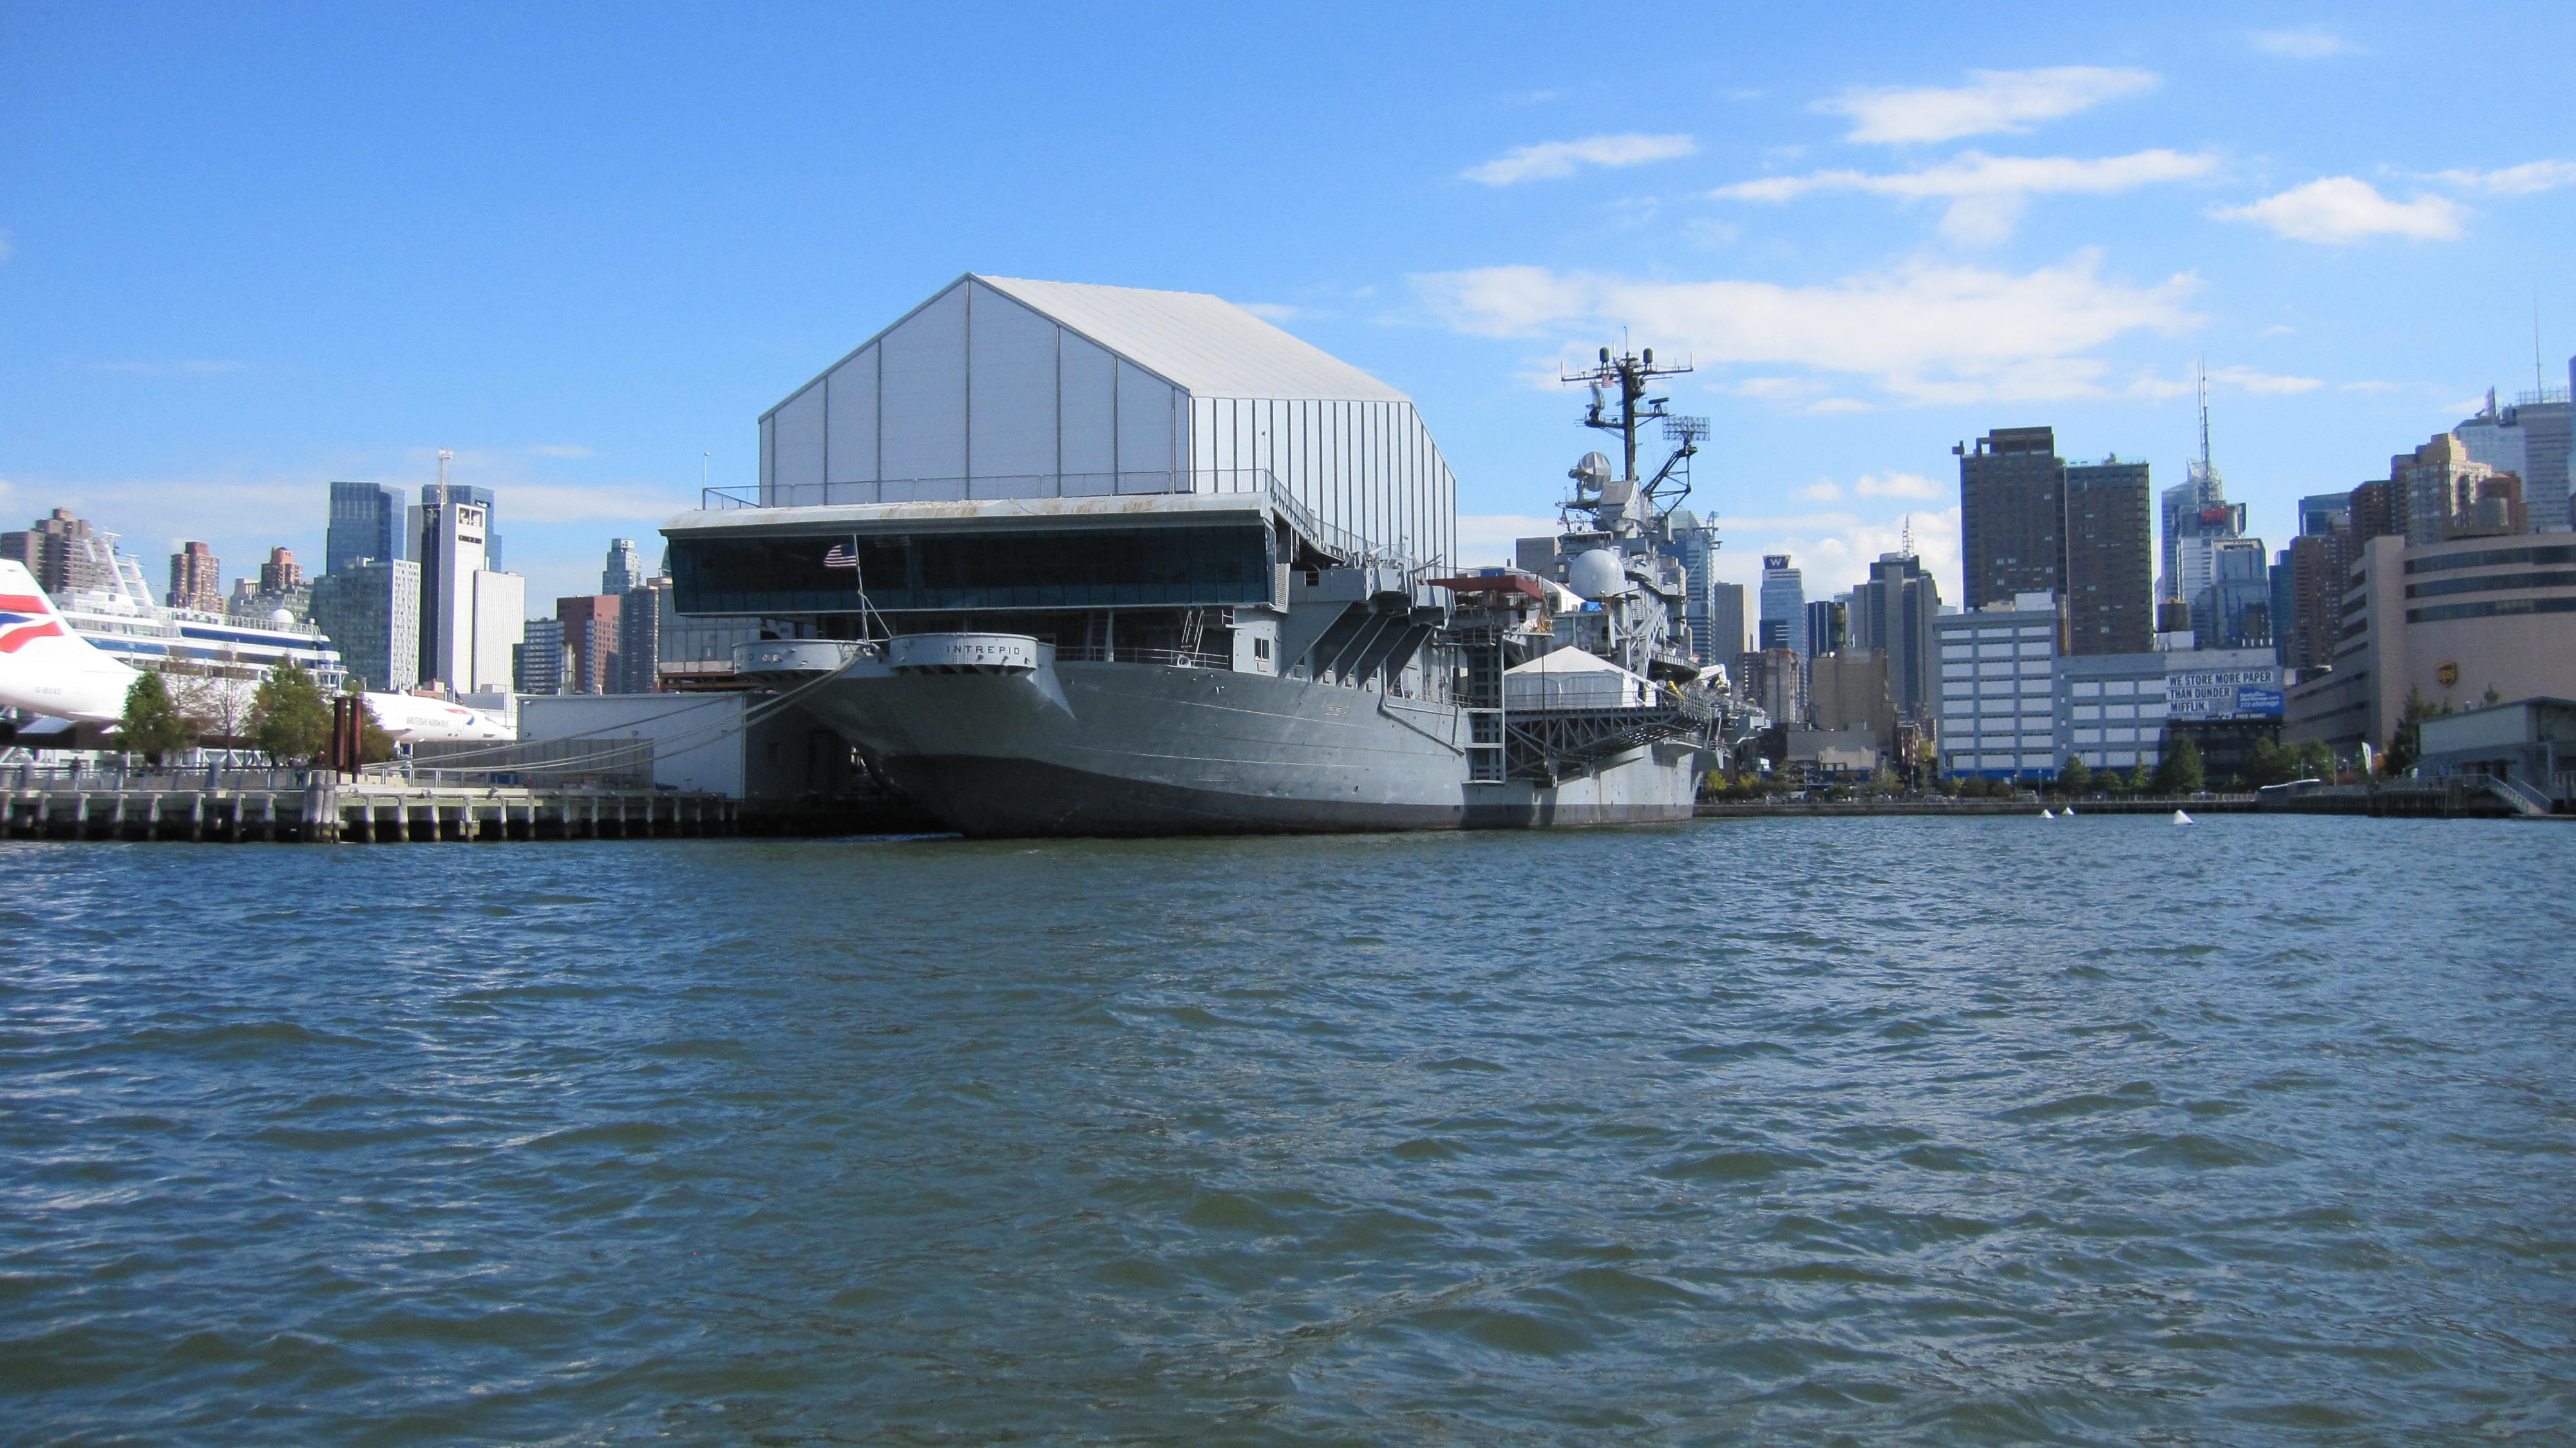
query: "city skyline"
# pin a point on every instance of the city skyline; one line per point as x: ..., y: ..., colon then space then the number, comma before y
x: 1870, y: 249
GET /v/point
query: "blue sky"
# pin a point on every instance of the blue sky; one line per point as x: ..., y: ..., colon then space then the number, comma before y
x: 253, y: 248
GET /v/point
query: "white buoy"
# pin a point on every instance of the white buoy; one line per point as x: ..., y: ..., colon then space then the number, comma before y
x: 2044, y: 814
x: 2068, y: 813
x: 2180, y: 818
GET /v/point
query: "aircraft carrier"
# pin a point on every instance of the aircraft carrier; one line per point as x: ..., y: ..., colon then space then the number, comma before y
x: 1260, y: 628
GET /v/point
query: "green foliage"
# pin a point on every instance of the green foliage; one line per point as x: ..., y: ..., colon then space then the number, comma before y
x: 289, y: 718
x: 2139, y: 780
x: 2268, y: 763
x: 2312, y: 760
x: 2075, y: 776
x: 2406, y: 744
x: 153, y: 725
x: 2180, y: 771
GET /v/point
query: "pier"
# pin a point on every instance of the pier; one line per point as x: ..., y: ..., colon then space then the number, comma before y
x: 320, y: 806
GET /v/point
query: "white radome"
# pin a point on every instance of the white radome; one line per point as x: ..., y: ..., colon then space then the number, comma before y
x: 1598, y: 575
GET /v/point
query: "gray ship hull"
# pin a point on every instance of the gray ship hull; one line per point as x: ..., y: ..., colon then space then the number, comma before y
x: 1141, y: 749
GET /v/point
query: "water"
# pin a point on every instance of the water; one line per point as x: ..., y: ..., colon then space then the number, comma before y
x: 1863, y: 1131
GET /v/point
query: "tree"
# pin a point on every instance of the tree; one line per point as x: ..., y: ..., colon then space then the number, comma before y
x: 2074, y: 777
x: 289, y: 719
x: 2406, y: 744
x: 153, y: 725
x: 2138, y: 779
x: 2312, y: 760
x: 2180, y: 771
x: 2269, y: 763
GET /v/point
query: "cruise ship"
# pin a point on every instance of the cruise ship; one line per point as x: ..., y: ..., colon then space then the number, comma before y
x: 1062, y: 559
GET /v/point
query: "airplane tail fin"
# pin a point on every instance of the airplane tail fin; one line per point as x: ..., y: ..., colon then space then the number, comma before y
x: 26, y: 614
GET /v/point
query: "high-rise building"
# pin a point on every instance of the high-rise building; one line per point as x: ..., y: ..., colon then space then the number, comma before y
x: 1725, y: 637
x: 196, y: 579
x: 538, y: 666
x: 1783, y: 623
x: 2448, y: 494
x: 371, y: 610
x: 625, y: 568
x: 1694, y: 546
x: 1892, y: 613
x: 2012, y: 509
x: 66, y: 554
x: 470, y: 613
x: 2235, y: 610
x: 2309, y: 602
x: 1776, y: 681
x: 590, y: 642
x: 1847, y: 689
x: 367, y: 521
x: 2109, y: 538
x: 2528, y: 439
x: 280, y: 573
x: 1828, y: 625
x: 642, y: 612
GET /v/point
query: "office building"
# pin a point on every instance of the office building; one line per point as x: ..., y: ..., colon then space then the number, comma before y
x: 1725, y: 638
x: 625, y: 567
x: 66, y: 554
x: 1775, y: 681
x: 2450, y: 620
x: 2012, y: 506
x: 590, y: 642
x: 640, y: 616
x: 2234, y: 610
x: 470, y: 613
x: 2447, y: 494
x: 1694, y: 546
x: 538, y: 666
x: 2531, y: 742
x: 196, y: 579
x: 2110, y: 603
x: 1847, y: 691
x: 2196, y: 515
x: 367, y: 521
x: 1998, y: 714
x: 1828, y: 625
x: 371, y: 611
x: 1893, y: 614
x: 1783, y: 624
x: 2528, y: 439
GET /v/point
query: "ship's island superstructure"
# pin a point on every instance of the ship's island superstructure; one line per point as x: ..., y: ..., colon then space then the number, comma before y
x: 1079, y: 560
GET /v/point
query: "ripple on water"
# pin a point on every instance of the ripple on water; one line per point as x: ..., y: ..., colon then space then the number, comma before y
x: 1296, y: 1141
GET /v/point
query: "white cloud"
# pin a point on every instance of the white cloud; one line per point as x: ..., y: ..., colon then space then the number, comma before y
x: 2243, y: 379
x: 1897, y: 485
x: 1269, y: 311
x: 2304, y: 42
x: 1822, y: 490
x: 8, y: 244
x: 1924, y: 331
x: 2370, y: 387
x: 1553, y: 159
x: 1993, y: 100
x: 1986, y: 193
x: 2519, y: 180
x: 1835, y: 549
x: 562, y: 450
x: 2340, y: 210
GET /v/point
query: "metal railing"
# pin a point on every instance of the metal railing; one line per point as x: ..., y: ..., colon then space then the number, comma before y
x: 1169, y: 658
x: 1284, y: 502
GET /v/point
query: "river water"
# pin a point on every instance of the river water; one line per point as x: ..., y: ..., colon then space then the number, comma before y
x: 1971, y: 1131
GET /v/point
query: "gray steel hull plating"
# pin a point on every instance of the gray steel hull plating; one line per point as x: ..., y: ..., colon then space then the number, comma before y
x: 1139, y: 749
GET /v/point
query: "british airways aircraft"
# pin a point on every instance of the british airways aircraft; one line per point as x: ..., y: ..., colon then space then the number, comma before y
x: 47, y: 668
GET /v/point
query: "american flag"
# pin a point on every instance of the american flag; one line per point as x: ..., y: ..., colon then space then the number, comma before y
x: 840, y: 557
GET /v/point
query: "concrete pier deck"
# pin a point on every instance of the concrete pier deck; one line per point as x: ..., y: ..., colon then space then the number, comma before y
x: 319, y: 807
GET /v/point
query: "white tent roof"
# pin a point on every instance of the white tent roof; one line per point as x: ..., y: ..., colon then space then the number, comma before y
x: 1205, y: 345
x: 1571, y: 661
